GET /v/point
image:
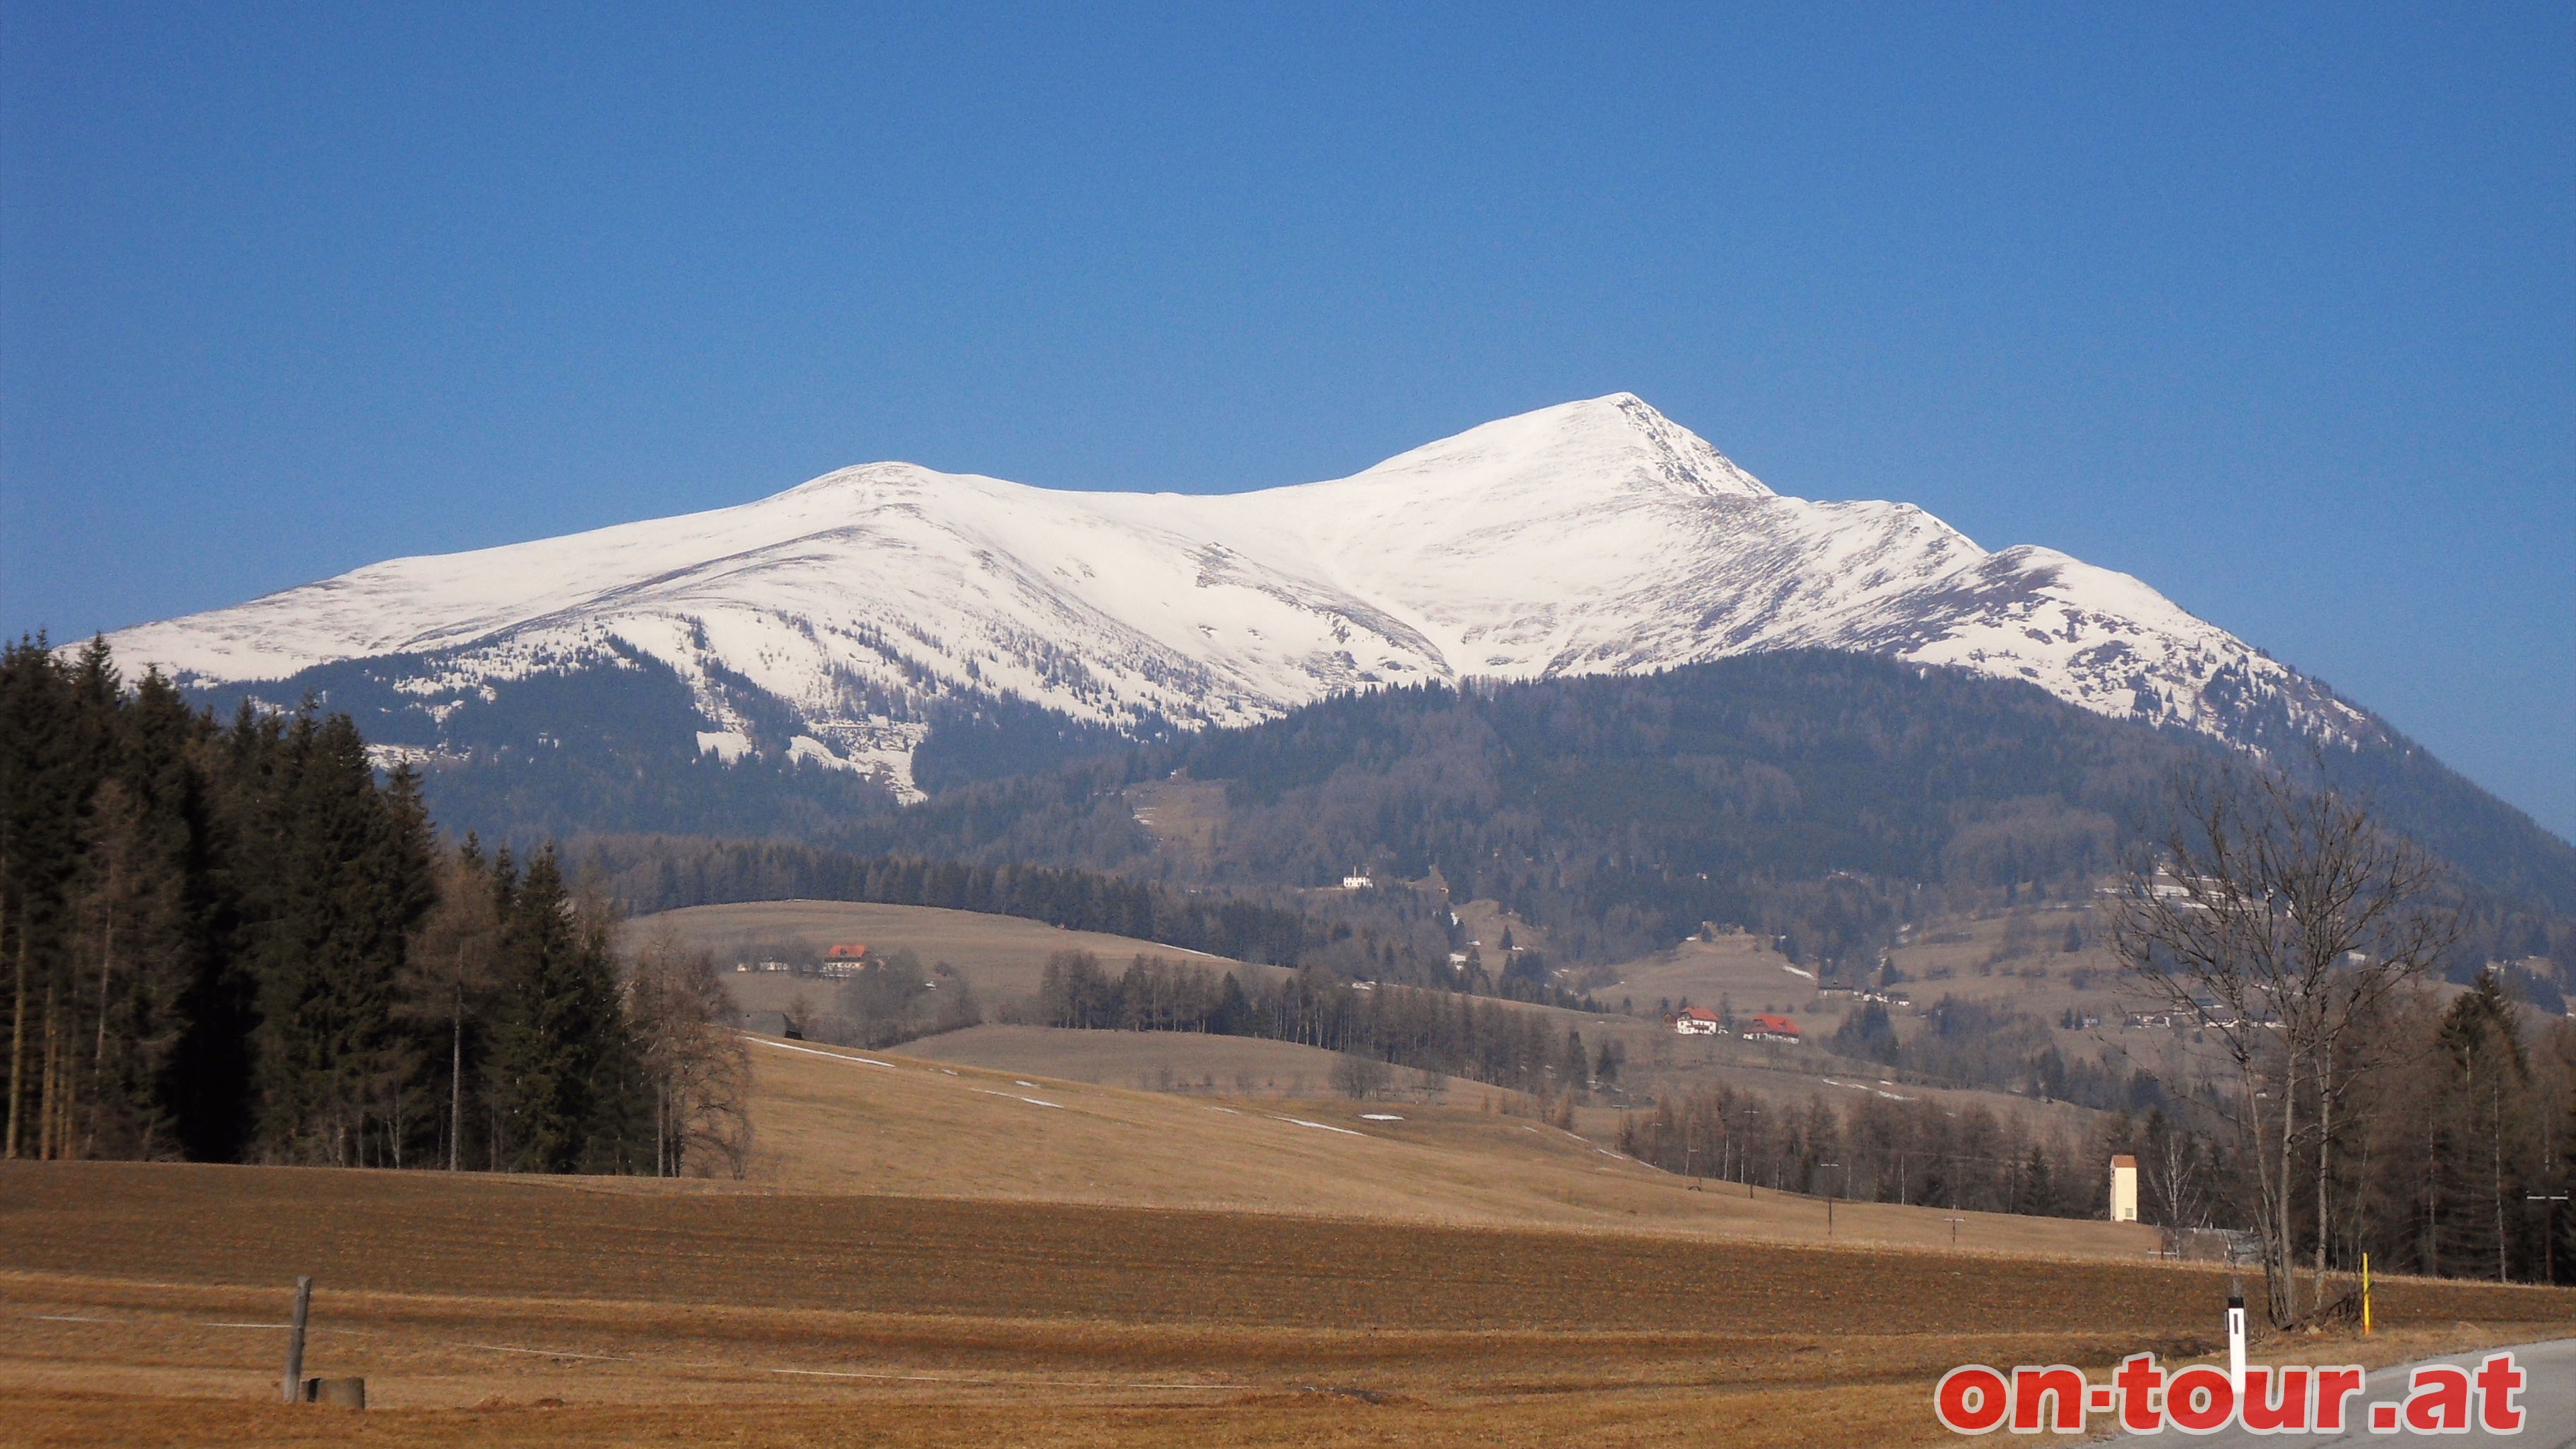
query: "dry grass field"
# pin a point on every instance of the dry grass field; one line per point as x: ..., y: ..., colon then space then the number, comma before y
x: 847, y: 1121
x: 1163, y: 1061
x: 1743, y: 969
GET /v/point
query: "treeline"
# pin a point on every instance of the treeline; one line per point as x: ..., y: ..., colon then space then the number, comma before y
x: 893, y: 1000
x: 1987, y: 1044
x: 2454, y: 1129
x: 659, y: 873
x: 234, y: 942
x: 1445, y: 1033
x: 2459, y: 1124
x: 1884, y: 1149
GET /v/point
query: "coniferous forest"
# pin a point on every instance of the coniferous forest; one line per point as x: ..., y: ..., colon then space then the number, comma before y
x: 233, y: 941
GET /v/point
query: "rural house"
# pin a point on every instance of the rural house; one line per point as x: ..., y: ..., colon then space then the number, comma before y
x: 1767, y: 1027
x: 1696, y: 1021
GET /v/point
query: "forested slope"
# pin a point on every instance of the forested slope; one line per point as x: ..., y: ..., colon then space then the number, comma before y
x: 1815, y: 795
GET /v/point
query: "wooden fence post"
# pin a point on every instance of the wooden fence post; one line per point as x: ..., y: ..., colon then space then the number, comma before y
x: 292, y: 1391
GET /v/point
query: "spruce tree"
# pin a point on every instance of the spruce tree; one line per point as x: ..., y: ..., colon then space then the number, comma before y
x: 354, y: 883
x: 564, y: 1073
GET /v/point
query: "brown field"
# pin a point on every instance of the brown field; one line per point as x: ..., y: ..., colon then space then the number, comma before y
x: 968, y: 1244
x: 140, y: 1305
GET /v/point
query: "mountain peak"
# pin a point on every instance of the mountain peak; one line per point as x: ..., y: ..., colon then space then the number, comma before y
x: 838, y: 619
x: 1619, y: 439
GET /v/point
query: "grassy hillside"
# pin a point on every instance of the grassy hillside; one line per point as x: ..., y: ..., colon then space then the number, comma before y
x: 835, y: 1120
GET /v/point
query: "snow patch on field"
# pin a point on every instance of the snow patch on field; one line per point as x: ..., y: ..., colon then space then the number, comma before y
x: 1318, y: 1126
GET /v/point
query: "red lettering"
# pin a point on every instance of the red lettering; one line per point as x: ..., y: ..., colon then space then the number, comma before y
x: 1971, y: 1399
x: 2334, y: 1385
x: 2266, y: 1414
x: 2437, y: 1400
x: 2063, y: 1381
x: 2498, y: 1382
x: 2199, y: 1399
x: 2139, y: 1378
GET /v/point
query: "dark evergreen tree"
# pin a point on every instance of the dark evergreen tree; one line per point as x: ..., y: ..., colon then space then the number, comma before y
x: 563, y: 1070
x: 354, y: 881
x: 206, y: 936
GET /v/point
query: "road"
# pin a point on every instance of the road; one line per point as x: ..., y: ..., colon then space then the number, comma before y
x: 2548, y: 1402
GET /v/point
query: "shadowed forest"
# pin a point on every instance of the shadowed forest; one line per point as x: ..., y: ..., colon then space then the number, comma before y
x: 237, y: 942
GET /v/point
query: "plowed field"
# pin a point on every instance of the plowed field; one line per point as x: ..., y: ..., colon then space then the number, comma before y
x: 142, y: 1301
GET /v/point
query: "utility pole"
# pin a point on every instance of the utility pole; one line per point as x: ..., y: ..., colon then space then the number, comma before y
x: 1829, y: 1195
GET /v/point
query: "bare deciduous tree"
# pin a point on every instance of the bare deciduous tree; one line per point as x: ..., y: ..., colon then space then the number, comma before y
x: 1360, y: 1077
x: 2282, y: 919
x: 2175, y: 1178
x: 699, y: 1068
x: 449, y: 972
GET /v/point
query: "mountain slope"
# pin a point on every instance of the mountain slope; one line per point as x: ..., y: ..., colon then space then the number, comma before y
x: 1814, y: 795
x: 840, y: 623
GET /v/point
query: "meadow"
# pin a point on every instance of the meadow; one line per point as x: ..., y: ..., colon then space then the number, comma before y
x: 982, y: 1258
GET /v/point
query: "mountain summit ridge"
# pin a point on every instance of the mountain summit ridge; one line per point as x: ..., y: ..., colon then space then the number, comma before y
x: 1590, y: 537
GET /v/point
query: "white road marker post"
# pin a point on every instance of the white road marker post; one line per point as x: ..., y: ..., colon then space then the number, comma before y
x: 2236, y: 1343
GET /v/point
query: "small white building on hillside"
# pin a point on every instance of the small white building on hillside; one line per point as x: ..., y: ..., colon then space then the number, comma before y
x: 2124, y: 1189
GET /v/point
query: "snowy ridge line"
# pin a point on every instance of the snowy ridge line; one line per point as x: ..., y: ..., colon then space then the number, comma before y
x: 1594, y: 537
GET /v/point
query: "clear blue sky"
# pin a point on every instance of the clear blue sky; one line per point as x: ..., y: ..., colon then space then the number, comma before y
x: 2276, y: 310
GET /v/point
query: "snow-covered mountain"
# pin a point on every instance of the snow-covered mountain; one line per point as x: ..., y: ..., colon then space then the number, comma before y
x: 1591, y: 537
